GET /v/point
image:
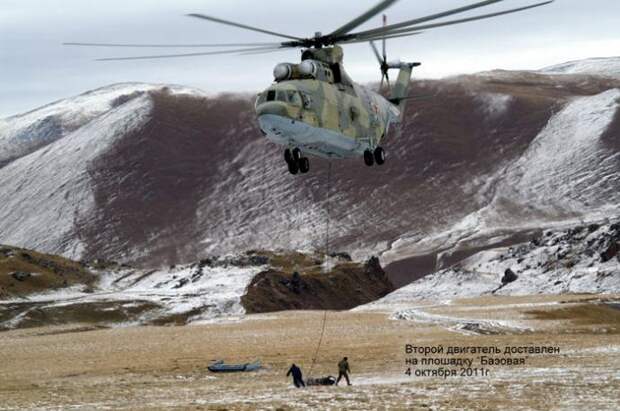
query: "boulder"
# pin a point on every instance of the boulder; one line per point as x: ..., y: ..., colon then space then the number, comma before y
x: 509, y: 276
x: 295, y: 283
x: 610, y: 252
x: 20, y: 275
x: 341, y: 256
x: 373, y: 267
x: 259, y: 260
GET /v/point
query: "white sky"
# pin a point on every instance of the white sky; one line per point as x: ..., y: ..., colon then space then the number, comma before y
x: 36, y: 69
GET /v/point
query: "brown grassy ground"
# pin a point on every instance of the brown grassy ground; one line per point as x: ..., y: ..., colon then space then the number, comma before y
x: 45, y: 272
x: 165, y: 367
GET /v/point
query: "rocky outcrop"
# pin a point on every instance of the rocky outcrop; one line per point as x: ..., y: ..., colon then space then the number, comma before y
x: 24, y: 272
x: 569, y: 260
x: 345, y: 286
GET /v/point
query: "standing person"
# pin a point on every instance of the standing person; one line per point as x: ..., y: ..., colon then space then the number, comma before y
x: 343, y: 370
x: 297, y: 377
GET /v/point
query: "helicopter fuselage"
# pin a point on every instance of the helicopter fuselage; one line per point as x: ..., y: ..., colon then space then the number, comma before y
x: 325, y: 119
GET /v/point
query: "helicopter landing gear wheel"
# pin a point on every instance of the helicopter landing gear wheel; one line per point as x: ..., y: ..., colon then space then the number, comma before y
x: 304, y: 165
x: 379, y: 155
x: 288, y: 156
x: 368, y: 158
x: 293, y: 167
x: 295, y: 162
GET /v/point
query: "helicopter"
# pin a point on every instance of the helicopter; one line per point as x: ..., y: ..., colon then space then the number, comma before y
x: 314, y: 107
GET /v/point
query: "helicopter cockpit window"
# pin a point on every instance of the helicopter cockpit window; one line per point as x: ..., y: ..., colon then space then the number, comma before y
x: 307, y: 100
x: 281, y: 95
x: 271, y: 95
x: 294, y: 98
x: 261, y: 98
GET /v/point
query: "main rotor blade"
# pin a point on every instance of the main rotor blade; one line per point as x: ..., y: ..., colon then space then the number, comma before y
x: 365, y: 39
x: 415, y: 33
x: 465, y: 20
x: 362, y: 18
x: 383, y: 40
x: 425, y: 18
x: 171, y: 45
x: 209, y: 53
x: 255, y: 51
x: 374, y: 49
x: 243, y: 26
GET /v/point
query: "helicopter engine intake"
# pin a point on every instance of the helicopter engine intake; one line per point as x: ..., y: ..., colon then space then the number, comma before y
x: 308, y: 69
x: 283, y: 71
x: 317, y: 70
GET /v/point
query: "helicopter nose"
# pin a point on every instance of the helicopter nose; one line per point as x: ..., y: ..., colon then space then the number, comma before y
x: 277, y: 109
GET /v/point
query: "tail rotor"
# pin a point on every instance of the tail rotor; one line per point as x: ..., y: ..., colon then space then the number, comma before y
x: 382, y: 58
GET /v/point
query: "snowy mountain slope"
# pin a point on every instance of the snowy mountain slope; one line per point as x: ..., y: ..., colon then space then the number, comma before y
x: 171, y: 175
x: 583, y: 259
x: 604, y: 66
x: 567, y: 163
x: 54, y: 183
x: 25, y: 133
x: 49, y: 189
x: 553, y: 182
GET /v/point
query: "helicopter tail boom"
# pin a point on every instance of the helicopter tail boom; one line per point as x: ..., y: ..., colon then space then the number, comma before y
x: 399, y: 93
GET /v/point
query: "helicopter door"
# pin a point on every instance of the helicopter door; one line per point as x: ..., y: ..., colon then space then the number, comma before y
x: 374, y: 115
x: 373, y: 110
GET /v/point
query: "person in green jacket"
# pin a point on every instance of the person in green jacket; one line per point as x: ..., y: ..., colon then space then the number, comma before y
x: 343, y: 370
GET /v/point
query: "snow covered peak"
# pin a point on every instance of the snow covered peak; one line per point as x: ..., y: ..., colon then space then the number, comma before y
x: 24, y: 133
x: 601, y: 66
x: 95, y: 101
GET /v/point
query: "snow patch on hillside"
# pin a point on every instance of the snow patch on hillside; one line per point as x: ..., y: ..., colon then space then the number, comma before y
x: 566, y: 162
x: 494, y: 104
x: 603, y: 66
x: 195, y: 293
x: 247, y: 217
x: 208, y: 292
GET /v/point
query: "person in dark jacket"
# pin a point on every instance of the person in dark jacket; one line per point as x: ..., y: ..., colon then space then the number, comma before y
x: 297, y: 377
x: 343, y: 370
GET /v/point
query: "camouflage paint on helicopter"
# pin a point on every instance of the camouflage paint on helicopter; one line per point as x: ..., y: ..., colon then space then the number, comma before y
x: 316, y: 108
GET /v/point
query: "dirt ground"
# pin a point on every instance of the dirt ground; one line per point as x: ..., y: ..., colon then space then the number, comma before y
x: 147, y: 368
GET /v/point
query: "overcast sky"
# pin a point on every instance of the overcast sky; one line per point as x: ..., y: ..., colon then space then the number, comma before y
x: 36, y: 69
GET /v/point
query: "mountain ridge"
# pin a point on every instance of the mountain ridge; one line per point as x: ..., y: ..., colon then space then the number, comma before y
x: 167, y: 174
